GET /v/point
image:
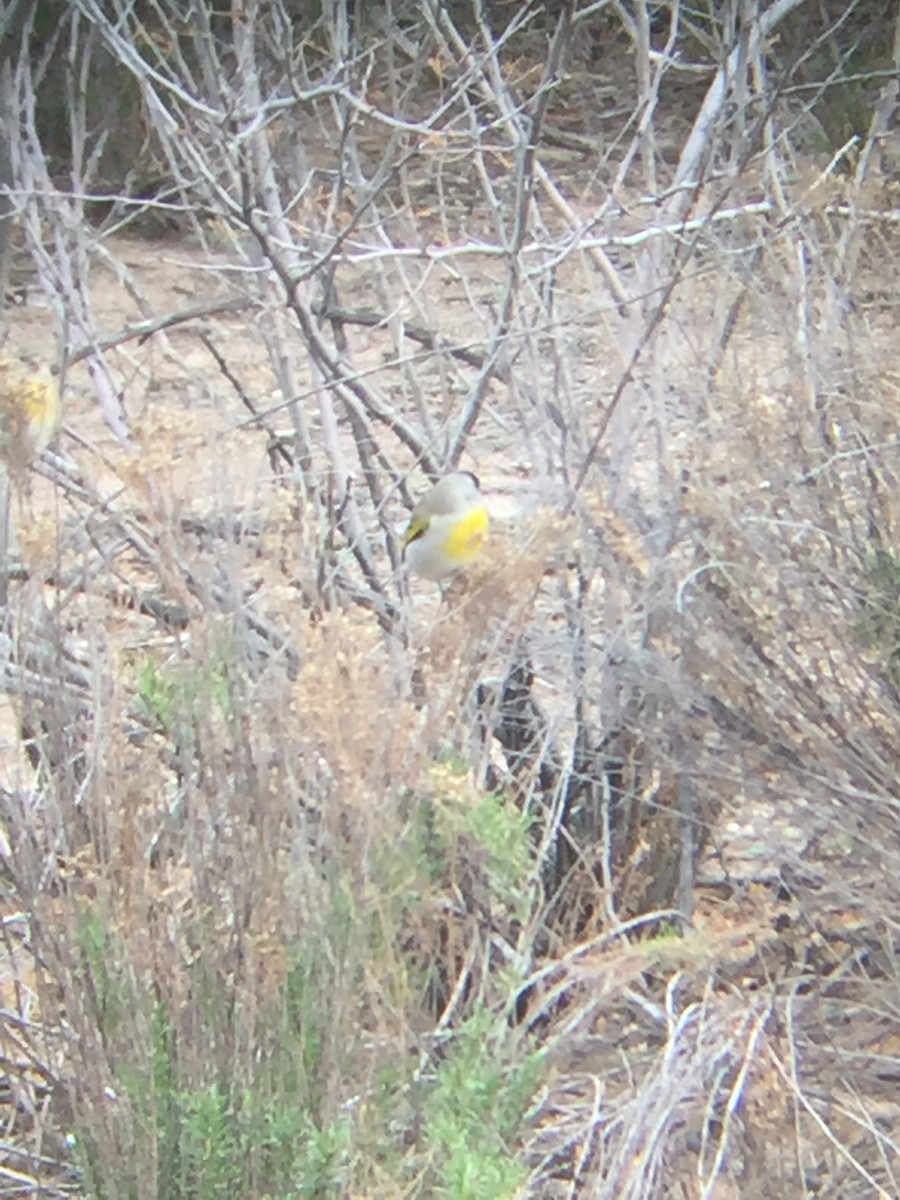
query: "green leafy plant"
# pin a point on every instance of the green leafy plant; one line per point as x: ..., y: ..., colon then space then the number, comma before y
x: 878, y: 626
x: 481, y: 1093
x: 506, y: 834
x: 173, y: 696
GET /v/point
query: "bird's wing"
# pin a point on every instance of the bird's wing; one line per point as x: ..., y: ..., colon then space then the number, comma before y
x: 417, y: 527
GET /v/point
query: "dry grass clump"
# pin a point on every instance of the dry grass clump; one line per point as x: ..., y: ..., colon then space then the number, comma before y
x: 246, y: 912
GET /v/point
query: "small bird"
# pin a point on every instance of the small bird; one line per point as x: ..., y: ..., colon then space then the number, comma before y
x: 447, y: 528
x: 29, y: 413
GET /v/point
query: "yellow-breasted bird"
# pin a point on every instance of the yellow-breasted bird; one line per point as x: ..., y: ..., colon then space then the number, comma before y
x: 30, y: 411
x: 447, y: 529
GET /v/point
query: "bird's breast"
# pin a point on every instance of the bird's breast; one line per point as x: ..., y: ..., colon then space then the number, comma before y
x: 467, y: 535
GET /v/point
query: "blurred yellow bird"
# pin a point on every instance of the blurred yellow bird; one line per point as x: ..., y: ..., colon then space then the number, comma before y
x: 447, y: 529
x: 30, y: 411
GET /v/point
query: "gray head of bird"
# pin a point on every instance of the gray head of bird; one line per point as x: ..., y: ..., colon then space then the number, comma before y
x: 454, y: 493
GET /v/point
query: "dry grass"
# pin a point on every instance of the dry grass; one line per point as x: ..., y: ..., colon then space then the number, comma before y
x: 578, y: 879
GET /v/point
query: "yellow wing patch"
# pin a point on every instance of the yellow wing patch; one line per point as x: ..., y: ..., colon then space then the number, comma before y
x: 415, y: 529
